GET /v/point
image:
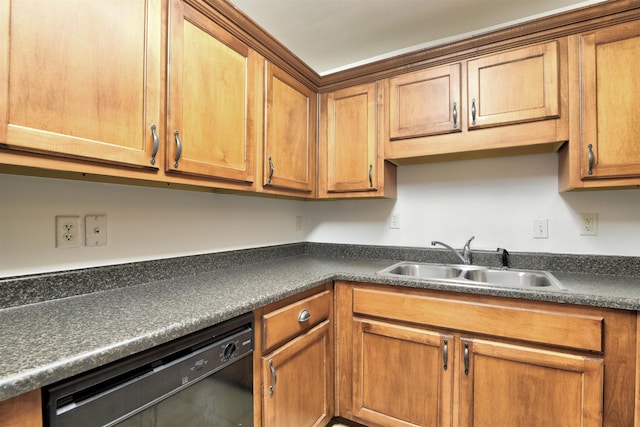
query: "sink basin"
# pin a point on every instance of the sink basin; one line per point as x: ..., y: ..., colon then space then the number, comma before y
x: 432, y: 271
x: 473, y: 275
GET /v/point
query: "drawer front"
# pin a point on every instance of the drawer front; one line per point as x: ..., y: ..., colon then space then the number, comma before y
x: 285, y: 323
x: 577, y: 331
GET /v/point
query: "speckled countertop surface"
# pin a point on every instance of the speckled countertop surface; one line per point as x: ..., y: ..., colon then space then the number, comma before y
x: 44, y: 340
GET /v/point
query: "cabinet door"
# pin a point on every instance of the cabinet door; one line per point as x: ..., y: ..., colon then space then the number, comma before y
x: 516, y: 86
x: 425, y: 102
x: 81, y: 79
x: 290, y: 136
x: 402, y: 376
x: 352, y: 147
x: 510, y: 385
x: 212, y: 127
x: 297, y: 386
x: 610, y: 60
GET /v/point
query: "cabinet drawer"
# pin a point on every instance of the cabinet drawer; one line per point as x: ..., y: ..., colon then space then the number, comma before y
x: 285, y: 323
x: 572, y: 330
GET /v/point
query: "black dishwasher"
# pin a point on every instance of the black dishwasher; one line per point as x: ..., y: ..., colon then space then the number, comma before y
x: 201, y: 380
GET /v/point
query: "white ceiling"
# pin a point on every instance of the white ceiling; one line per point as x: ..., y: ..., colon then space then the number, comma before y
x: 332, y: 35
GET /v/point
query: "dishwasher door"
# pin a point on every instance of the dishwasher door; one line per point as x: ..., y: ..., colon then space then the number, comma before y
x: 203, y: 380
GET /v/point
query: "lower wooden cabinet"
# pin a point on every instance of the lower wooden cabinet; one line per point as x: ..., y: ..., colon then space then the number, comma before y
x: 293, y: 364
x: 22, y: 411
x: 423, y: 358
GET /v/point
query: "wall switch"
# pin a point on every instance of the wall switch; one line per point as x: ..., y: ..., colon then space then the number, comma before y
x: 541, y: 228
x: 67, y: 231
x: 298, y: 222
x: 95, y: 227
x: 394, y: 221
x: 589, y: 224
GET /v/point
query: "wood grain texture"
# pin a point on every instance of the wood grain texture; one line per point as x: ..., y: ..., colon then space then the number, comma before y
x: 22, y: 411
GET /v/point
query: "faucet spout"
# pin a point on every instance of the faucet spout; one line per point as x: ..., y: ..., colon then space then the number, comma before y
x: 465, y: 256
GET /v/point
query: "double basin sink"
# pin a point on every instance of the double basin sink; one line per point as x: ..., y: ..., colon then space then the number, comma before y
x: 472, y: 275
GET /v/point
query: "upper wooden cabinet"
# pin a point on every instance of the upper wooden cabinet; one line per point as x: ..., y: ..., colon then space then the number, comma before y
x: 510, y: 102
x: 516, y: 86
x: 289, y: 156
x: 350, y: 150
x: 212, y: 127
x: 425, y: 102
x: 603, y: 150
x: 84, y: 84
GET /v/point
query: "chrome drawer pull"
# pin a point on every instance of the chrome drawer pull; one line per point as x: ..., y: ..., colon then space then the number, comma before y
x: 178, y: 149
x: 466, y: 358
x: 446, y: 354
x: 156, y: 144
x: 275, y: 378
x: 473, y: 112
x: 304, y: 316
x: 592, y: 158
x: 455, y: 115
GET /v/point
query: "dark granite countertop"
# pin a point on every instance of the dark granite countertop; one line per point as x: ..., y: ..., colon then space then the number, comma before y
x: 44, y: 340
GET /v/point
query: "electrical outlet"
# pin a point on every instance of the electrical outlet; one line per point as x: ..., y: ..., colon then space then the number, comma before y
x: 95, y: 227
x: 589, y: 224
x: 67, y: 231
x: 394, y: 221
x: 298, y: 222
x: 541, y: 228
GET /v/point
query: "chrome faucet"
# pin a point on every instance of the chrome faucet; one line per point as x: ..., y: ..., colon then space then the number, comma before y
x: 466, y: 255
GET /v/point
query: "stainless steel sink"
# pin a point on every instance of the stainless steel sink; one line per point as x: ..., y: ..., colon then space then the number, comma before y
x: 472, y: 275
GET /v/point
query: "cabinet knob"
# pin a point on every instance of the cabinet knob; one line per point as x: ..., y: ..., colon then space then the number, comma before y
x: 156, y: 144
x: 455, y: 115
x: 178, y: 149
x: 473, y: 111
x: 304, y: 316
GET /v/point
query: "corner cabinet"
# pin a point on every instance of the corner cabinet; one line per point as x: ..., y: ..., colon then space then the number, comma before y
x: 469, y: 360
x: 512, y: 102
x: 351, y: 154
x: 211, y: 129
x: 293, y: 362
x: 68, y: 91
x: 289, y: 155
x: 603, y: 151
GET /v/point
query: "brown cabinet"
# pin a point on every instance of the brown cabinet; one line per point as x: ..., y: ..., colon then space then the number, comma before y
x: 22, y: 411
x: 212, y: 129
x: 70, y: 91
x: 511, y: 102
x: 603, y: 150
x: 294, y: 361
x: 426, y: 102
x: 289, y: 155
x: 479, y: 361
x: 350, y: 150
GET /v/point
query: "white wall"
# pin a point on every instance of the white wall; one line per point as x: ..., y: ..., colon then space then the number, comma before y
x: 495, y: 199
x: 143, y: 223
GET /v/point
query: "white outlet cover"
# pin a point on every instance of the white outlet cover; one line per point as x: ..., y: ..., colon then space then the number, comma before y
x: 68, y: 231
x: 394, y: 221
x: 95, y: 230
x: 589, y: 224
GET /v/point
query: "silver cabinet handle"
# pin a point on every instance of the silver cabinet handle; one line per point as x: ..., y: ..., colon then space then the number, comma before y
x: 304, y: 316
x: 466, y: 358
x: 272, y: 169
x: 592, y: 158
x: 156, y: 144
x: 455, y: 115
x: 371, y: 176
x: 178, y: 149
x: 446, y: 354
x: 274, y: 376
x: 473, y: 111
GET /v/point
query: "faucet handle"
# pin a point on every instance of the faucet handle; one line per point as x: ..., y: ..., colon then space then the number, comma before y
x: 505, y: 258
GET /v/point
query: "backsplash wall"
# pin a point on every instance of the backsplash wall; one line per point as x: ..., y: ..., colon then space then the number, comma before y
x: 494, y: 199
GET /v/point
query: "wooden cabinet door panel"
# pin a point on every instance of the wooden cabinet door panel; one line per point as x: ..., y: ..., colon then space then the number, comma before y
x: 425, y: 102
x: 516, y: 86
x: 290, y: 136
x: 293, y: 393
x: 352, y: 139
x: 82, y: 79
x: 512, y: 385
x: 212, y: 127
x: 402, y: 376
x: 610, y: 90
